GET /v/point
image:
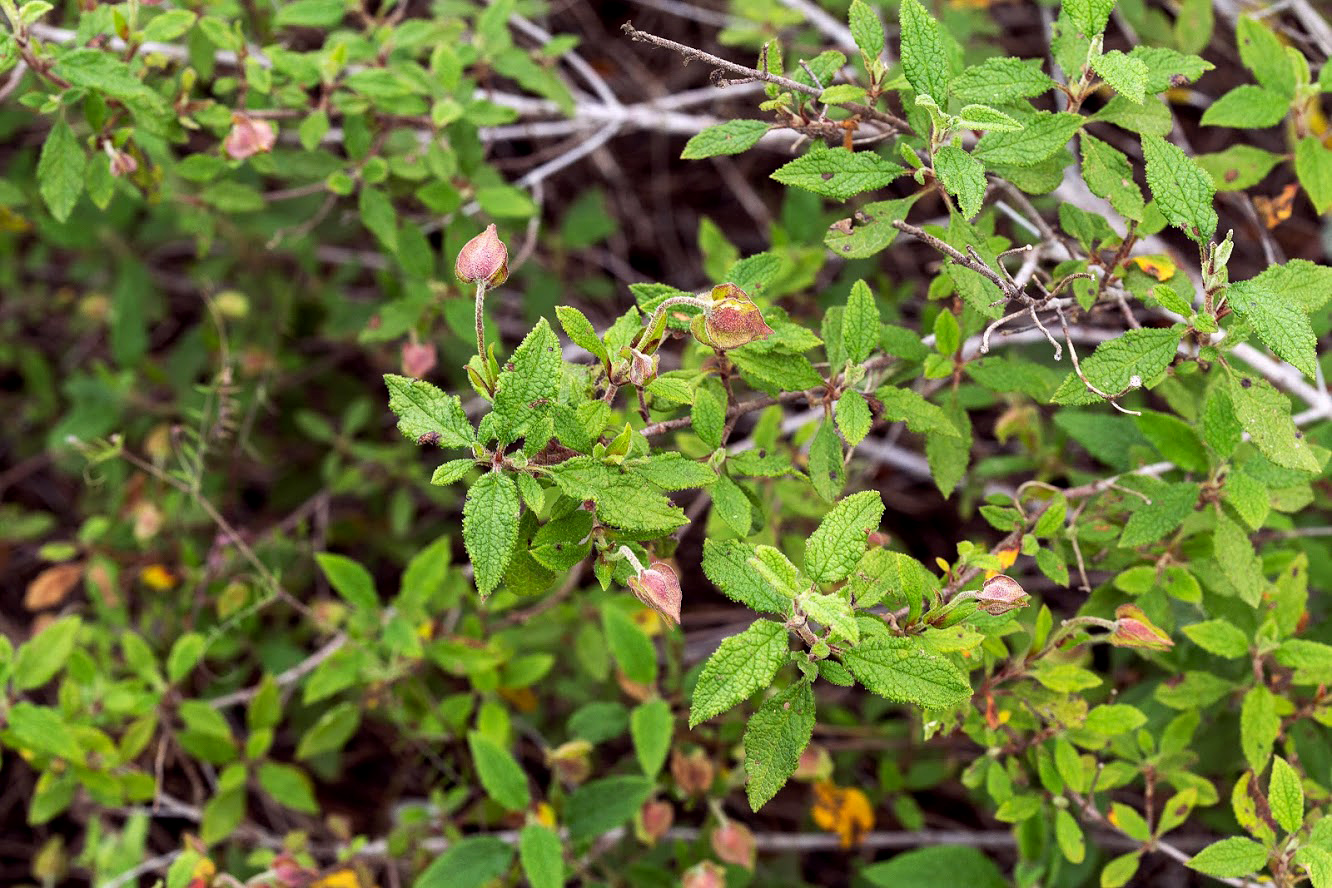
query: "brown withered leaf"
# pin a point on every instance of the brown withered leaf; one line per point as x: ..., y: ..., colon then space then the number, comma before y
x: 52, y: 586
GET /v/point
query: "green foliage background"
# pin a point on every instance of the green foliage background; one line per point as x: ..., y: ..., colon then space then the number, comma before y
x: 246, y: 642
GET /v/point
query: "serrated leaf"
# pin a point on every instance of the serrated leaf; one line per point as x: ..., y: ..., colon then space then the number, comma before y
x: 1264, y: 413
x: 1262, y: 52
x: 1183, y: 190
x: 490, y: 528
x: 733, y: 507
x: 837, y: 172
x: 581, y: 332
x: 499, y: 773
x: 1152, y: 521
x: 1280, y: 322
x: 1108, y: 174
x: 674, y: 471
x: 776, y: 736
x: 1285, y: 795
x: 1144, y: 353
x: 786, y: 371
x: 1259, y: 726
x: 963, y: 176
x: 838, y: 543
x: 860, y: 323
x: 596, y: 808
x: 1229, y: 858
x: 726, y: 565
x: 827, y: 471
x: 541, y: 856
x: 1218, y: 637
x: 902, y: 670
x: 843, y: 92
x: 1089, y: 16
x: 866, y: 29
x: 1247, y: 107
x: 1042, y: 136
x: 731, y: 137
x: 1167, y: 68
x: 529, y: 378
x: 983, y: 117
x: 1001, y: 80
x: 424, y: 411
x: 60, y: 170
x: 853, y: 417
x: 909, y: 406
x: 832, y: 612
x: 741, y: 666
x: 1300, y: 281
x: 924, y: 59
x: 870, y: 230
x: 651, y: 727
x: 1125, y: 74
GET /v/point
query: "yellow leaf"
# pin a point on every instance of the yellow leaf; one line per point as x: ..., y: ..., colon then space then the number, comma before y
x: 157, y: 578
x: 1006, y: 558
x: 522, y: 698
x: 545, y: 815
x: 648, y: 620
x: 1277, y: 209
x: 339, y: 878
x: 843, y: 810
x: 1160, y: 267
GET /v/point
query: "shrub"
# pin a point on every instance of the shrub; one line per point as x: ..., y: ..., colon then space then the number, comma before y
x: 1083, y: 394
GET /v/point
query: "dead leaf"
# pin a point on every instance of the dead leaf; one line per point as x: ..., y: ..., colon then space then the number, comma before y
x: 843, y: 810
x: 1275, y: 210
x: 52, y: 586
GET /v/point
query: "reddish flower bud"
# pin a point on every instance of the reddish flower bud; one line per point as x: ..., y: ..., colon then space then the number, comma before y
x: 122, y: 163
x: 653, y: 821
x: 1133, y: 629
x: 642, y: 368
x: 704, y: 875
x: 659, y: 588
x: 693, y: 773
x: 249, y: 136
x: 418, y: 359
x: 1001, y: 594
x: 732, y: 320
x: 484, y: 258
x: 734, y: 843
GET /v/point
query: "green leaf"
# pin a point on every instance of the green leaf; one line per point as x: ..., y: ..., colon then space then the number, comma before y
x: 1001, y: 80
x: 909, y: 406
x: 105, y: 73
x: 1300, y: 281
x: 1259, y: 727
x: 726, y: 565
x: 674, y: 471
x: 841, y: 93
x: 501, y: 776
x: 651, y: 726
x: 1229, y: 858
x: 924, y: 59
x: 1151, y: 117
x: 776, y: 736
x: 1247, y: 107
x: 1264, y: 413
x: 1218, y: 637
x: 1069, y: 837
x: 963, y: 176
x: 938, y: 865
x: 490, y: 528
x: 983, y: 117
x: 853, y: 416
x: 1280, y: 321
x: 1041, y: 138
x: 333, y: 729
x: 531, y: 377
x: 1125, y: 74
x: 1118, y: 871
x: 1262, y: 52
x: 186, y: 652
x: 379, y: 217
x: 598, y: 807
x: 45, y: 654
x: 629, y: 645
x: 950, y: 455
x: 424, y: 412
x: 1089, y: 16
x: 60, y: 170
x: 827, y: 472
x: 866, y: 29
x: 1313, y: 167
x: 310, y: 14
x: 469, y: 863
x: 542, y: 856
x: 1238, y: 167
x: 731, y: 137
x: 708, y: 416
x: 350, y: 580
x: 839, y: 542
x: 581, y: 332
x: 787, y: 372
x: 860, y: 323
x: 837, y: 172
x: 742, y: 665
x: 1183, y: 190
x: 870, y: 231
x: 289, y: 786
x: 902, y: 670
x: 1285, y: 795
x: 1141, y: 354
x: 1167, y: 68
x: 732, y: 506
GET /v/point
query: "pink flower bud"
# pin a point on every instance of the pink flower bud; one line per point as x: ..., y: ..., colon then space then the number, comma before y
x: 249, y: 136
x: 1001, y: 594
x: 693, y: 773
x: 659, y: 588
x: 732, y: 320
x: 653, y: 821
x: 484, y: 258
x: 734, y: 843
x: 122, y: 163
x: 418, y: 359
x: 704, y: 875
x: 1133, y: 629
x: 642, y: 368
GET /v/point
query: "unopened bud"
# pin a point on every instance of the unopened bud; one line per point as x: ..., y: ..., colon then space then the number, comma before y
x: 642, y: 368
x: 653, y: 821
x: 1001, y: 594
x: 1133, y: 629
x: 483, y: 259
x: 704, y: 875
x: 731, y: 321
x: 122, y: 163
x: 693, y: 773
x: 659, y: 588
x: 734, y: 843
x: 249, y: 136
x: 418, y: 359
